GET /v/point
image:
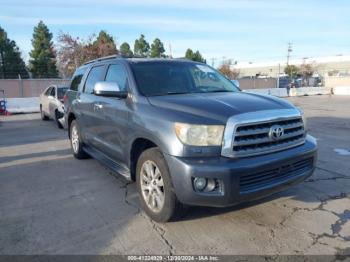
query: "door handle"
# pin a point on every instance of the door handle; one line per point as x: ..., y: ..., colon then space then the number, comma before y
x: 98, y: 106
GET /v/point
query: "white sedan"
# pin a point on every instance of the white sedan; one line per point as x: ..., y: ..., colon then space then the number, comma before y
x: 51, y: 104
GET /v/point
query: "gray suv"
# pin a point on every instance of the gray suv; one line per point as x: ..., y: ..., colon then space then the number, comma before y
x: 185, y: 133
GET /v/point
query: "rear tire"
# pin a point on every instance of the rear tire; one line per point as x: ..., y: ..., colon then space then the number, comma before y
x: 42, y: 113
x: 59, y: 125
x: 156, y: 192
x: 76, y: 141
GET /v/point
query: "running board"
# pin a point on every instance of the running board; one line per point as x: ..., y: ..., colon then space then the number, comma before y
x: 107, y: 161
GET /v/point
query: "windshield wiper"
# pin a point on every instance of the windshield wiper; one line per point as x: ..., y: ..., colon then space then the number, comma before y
x: 176, y: 93
x: 219, y: 91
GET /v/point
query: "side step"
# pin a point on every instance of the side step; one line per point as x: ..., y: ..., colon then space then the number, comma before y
x: 107, y: 161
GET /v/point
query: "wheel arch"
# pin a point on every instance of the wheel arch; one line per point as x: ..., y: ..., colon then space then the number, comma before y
x: 138, y: 146
x: 71, y: 117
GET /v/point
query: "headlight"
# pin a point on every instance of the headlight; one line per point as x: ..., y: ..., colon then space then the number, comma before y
x: 303, y: 118
x: 199, y: 135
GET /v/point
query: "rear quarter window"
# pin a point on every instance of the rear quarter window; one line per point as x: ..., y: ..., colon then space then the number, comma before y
x: 76, y: 79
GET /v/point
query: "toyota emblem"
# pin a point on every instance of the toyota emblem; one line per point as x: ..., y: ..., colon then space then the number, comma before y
x: 276, y: 132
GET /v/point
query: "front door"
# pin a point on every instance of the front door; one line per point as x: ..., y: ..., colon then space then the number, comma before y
x: 113, y: 124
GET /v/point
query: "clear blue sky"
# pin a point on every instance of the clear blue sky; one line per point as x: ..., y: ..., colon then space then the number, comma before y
x: 252, y: 30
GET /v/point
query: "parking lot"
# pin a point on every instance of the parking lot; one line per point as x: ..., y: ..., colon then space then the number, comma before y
x: 51, y: 203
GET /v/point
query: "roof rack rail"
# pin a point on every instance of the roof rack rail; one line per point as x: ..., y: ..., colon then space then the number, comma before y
x: 103, y: 58
x: 116, y: 56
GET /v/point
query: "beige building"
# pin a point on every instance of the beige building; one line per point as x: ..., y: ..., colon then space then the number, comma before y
x: 331, y: 65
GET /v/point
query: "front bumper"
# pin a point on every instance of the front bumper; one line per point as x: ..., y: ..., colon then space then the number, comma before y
x: 230, y: 172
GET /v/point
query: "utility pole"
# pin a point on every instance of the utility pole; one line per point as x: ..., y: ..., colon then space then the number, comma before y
x: 2, y: 63
x: 278, y: 76
x: 170, y: 51
x: 289, y: 50
x: 213, y: 61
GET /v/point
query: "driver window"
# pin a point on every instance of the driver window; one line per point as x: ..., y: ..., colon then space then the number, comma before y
x: 117, y: 74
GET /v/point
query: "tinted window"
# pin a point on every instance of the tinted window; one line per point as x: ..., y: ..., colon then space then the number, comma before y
x: 94, y: 76
x: 116, y: 73
x: 53, y: 92
x: 61, y: 91
x: 76, y: 80
x: 48, y: 91
x: 166, y: 78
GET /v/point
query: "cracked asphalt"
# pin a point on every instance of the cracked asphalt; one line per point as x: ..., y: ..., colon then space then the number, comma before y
x: 51, y: 203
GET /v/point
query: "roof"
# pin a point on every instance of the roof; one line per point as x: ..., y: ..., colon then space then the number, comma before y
x: 136, y: 59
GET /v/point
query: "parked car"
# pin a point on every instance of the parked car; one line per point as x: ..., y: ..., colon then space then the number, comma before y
x: 185, y: 133
x: 51, y: 104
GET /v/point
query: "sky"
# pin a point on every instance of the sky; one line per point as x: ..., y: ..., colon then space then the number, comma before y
x: 251, y: 30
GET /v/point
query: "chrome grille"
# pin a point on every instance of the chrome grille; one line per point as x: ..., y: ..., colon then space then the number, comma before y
x: 253, y: 138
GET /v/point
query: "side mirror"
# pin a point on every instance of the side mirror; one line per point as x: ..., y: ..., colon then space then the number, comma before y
x: 109, y: 89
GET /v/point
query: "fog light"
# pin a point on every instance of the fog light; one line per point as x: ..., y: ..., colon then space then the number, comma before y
x: 210, y: 185
x: 200, y: 183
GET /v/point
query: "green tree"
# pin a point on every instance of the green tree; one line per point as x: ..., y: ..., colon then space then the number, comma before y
x: 189, y: 54
x: 291, y: 70
x: 43, y: 55
x: 11, y: 63
x: 198, y: 57
x: 125, y: 50
x: 157, y: 48
x: 195, y: 56
x: 141, y: 47
x: 104, y: 45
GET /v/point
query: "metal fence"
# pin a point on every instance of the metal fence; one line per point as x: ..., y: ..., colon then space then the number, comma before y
x: 28, y: 87
x: 257, y: 83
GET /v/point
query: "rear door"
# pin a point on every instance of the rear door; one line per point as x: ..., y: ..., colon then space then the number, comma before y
x: 89, y: 115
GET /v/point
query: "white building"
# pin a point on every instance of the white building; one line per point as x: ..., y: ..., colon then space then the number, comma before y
x: 323, y: 66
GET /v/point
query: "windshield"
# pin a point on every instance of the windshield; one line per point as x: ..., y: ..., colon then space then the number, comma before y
x: 167, y: 78
x: 61, y: 91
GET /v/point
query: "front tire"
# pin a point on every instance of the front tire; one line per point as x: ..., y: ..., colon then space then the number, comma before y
x: 59, y: 125
x: 76, y: 141
x: 42, y: 113
x: 156, y: 192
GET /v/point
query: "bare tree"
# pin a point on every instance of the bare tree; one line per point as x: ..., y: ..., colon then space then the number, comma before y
x: 229, y: 72
x: 73, y: 51
x: 306, y: 71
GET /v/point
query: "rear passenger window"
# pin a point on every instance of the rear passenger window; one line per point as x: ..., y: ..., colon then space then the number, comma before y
x: 78, y: 75
x: 94, y: 76
x: 75, y: 82
x: 117, y: 74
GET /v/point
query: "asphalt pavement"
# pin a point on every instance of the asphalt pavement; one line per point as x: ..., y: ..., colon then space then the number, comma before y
x: 51, y: 203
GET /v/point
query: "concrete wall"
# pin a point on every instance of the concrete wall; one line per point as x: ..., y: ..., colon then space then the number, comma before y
x: 259, y: 83
x: 282, y: 92
x: 28, y: 87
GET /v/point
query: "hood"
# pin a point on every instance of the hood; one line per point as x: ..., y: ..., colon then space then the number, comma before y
x: 219, y: 106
